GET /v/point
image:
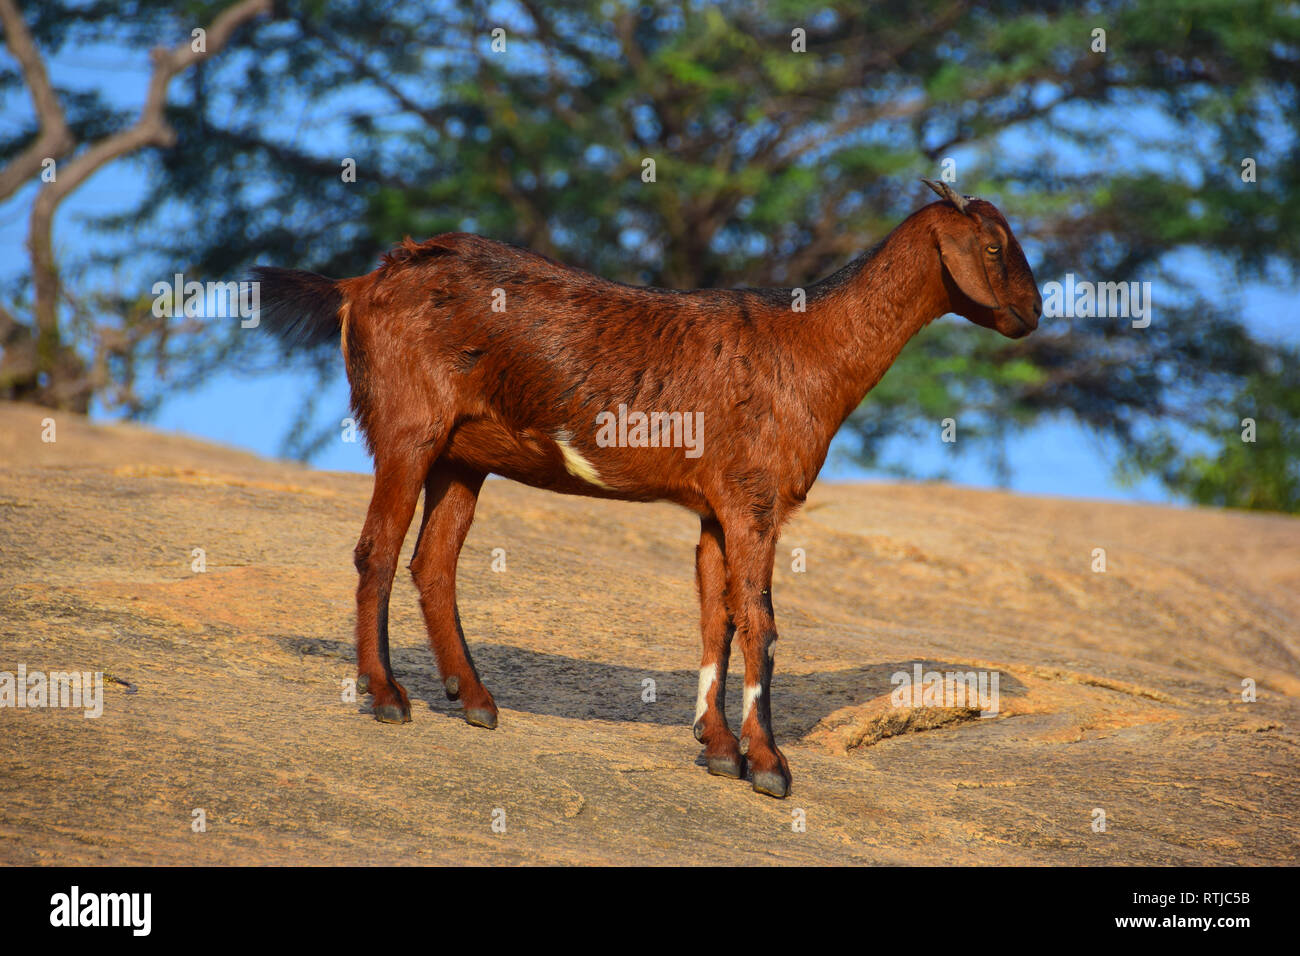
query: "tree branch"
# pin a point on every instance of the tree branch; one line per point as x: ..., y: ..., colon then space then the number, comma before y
x: 151, y: 129
x: 54, y: 139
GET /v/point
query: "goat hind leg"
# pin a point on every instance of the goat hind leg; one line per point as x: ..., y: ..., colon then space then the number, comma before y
x: 450, y: 494
x: 392, y: 505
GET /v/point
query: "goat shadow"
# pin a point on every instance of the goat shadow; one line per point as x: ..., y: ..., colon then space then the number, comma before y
x: 558, y: 686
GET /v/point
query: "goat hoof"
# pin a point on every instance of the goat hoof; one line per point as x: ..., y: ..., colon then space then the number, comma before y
x: 481, y: 717
x: 452, y: 686
x: 724, y: 766
x: 363, y: 684
x: 392, y: 714
x: 771, y: 783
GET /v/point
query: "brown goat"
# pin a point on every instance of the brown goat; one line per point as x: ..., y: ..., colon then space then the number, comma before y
x: 468, y: 357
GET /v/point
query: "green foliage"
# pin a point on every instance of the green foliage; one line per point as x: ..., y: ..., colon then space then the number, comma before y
x: 1240, y: 469
x: 774, y: 168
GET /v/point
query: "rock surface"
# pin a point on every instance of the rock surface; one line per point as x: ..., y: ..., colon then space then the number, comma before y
x: 224, y: 689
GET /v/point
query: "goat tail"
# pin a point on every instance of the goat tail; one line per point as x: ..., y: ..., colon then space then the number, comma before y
x: 301, y: 309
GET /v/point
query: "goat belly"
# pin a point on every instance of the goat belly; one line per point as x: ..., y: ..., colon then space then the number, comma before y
x: 529, y: 457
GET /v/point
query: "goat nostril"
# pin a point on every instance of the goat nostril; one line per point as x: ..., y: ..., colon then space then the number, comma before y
x: 1038, y: 308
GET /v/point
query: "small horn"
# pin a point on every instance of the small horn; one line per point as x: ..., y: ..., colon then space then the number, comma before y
x: 947, y: 192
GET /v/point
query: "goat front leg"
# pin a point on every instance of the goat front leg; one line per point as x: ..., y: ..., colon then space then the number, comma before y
x: 398, y: 480
x: 750, y: 551
x: 721, y: 751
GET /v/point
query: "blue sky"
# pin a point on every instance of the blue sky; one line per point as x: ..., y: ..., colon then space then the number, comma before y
x: 254, y: 413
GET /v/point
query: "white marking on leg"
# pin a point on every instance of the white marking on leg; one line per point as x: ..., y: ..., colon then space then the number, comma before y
x: 577, y: 465
x: 752, y: 693
x: 707, y: 677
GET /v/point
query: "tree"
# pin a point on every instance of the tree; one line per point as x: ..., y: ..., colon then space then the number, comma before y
x: 786, y: 139
x: 40, y: 363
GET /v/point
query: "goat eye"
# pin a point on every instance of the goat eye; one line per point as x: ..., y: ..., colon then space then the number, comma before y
x: 993, y: 250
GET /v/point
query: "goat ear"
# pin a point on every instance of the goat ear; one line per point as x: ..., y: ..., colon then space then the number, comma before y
x: 964, y: 261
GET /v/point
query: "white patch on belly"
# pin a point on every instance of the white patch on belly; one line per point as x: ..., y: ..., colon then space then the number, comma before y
x: 707, y: 676
x: 578, y: 466
x: 752, y: 693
